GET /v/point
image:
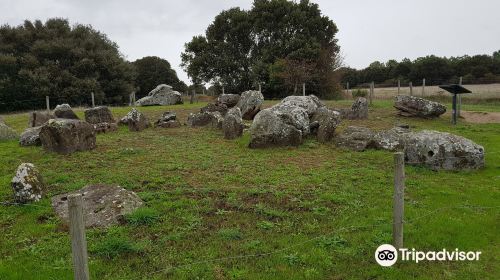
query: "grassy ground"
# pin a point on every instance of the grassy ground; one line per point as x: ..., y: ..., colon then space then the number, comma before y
x: 217, y: 210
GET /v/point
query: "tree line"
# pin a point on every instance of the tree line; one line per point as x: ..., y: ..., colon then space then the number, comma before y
x: 477, y: 69
x: 278, y: 44
x: 68, y: 63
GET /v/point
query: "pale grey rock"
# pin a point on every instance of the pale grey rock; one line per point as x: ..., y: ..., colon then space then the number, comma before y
x: 100, y: 114
x: 31, y: 137
x: 27, y: 184
x: 136, y: 120
x: 233, y: 124
x: 64, y: 111
x: 411, y: 106
x: 161, y: 95
x: 230, y: 100
x: 250, y: 103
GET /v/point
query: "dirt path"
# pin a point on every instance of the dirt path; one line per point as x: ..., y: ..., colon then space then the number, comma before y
x: 481, y: 117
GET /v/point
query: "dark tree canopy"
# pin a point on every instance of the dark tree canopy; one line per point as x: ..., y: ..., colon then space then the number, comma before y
x: 152, y: 71
x: 243, y: 48
x: 64, y: 62
x: 435, y: 70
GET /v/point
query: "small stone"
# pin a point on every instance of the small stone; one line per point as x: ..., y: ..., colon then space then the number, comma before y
x: 64, y: 111
x: 27, y: 184
x: 31, y: 137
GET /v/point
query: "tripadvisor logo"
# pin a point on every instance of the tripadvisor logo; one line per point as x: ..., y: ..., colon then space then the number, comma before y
x: 387, y: 255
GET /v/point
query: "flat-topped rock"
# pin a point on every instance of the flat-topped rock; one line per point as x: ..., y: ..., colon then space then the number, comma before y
x: 66, y: 136
x: 100, y: 114
x: 411, y: 106
x: 103, y: 205
x: 64, y: 111
x: 230, y: 100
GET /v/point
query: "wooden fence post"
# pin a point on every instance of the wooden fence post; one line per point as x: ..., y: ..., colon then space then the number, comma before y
x: 47, y: 102
x: 411, y: 88
x: 192, y: 96
x: 303, y: 89
x: 399, y: 192
x: 372, y: 91
x: 260, y: 88
x: 133, y: 98
x: 423, y: 87
x: 347, y: 89
x: 459, y: 100
x: 93, y: 100
x: 78, y: 241
x: 223, y: 91
x: 399, y: 86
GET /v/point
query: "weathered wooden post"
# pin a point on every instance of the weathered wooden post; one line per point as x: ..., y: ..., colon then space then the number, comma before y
x: 133, y: 98
x: 192, y: 97
x: 303, y: 89
x: 423, y: 87
x: 347, y: 89
x: 93, y: 100
x: 411, y: 88
x: 372, y: 92
x: 78, y: 241
x: 47, y: 102
x: 459, y: 105
x: 399, y: 86
x: 399, y: 192
x: 130, y: 100
x: 223, y: 92
x: 260, y: 88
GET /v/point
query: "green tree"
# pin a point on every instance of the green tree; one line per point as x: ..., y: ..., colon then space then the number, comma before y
x: 63, y: 62
x: 152, y: 71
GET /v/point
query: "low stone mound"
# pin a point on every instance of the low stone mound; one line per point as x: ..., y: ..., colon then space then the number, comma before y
x: 215, y: 107
x: 66, y: 136
x: 64, y: 111
x: 161, y: 95
x: 136, y: 120
x: 100, y: 114
x: 105, y: 127
x: 31, y: 137
x: 103, y: 205
x: 213, y: 119
x: 411, y: 106
x: 39, y: 118
x: 27, y: 184
x: 250, y: 103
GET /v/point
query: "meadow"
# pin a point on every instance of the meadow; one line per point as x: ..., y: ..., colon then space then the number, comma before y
x: 215, y: 209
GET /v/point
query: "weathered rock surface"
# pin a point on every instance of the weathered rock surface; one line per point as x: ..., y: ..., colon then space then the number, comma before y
x: 358, y: 110
x: 441, y: 150
x: 64, y: 111
x: 31, y: 137
x: 213, y: 119
x: 168, y: 120
x: 39, y: 118
x: 323, y: 123
x: 411, y: 106
x: 136, y: 120
x: 27, y: 184
x: 250, y: 103
x: 230, y: 100
x: 66, y: 136
x: 286, y: 123
x: 7, y: 133
x: 105, y: 127
x: 215, y: 107
x: 233, y: 124
x: 103, y: 205
x: 100, y: 114
x: 161, y: 95
x: 391, y: 140
x: 356, y: 138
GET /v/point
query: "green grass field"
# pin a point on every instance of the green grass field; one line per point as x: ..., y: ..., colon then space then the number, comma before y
x: 215, y: 209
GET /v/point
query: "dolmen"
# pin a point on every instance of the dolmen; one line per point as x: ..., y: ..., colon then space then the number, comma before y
x: 161, y: 95
x: 411, y: 106
x: 290, y: 121
x: 250, y: 104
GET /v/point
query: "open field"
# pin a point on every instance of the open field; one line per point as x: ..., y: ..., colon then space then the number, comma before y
x: 216, y: 209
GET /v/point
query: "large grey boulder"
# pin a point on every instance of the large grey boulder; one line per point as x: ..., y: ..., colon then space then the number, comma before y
x: 441, y: 150
x: 31, y: 137
x: 136, y: 120
x: 38, y: 118
x: 230, y: 100
x: 100, y: 114
x: 214, y: 119
x: 27, y: 184
x: 64, y: 111
x: 103, y: 205
x: 271, y: 130
x: 167, y: 120
x: 391, y: 140
x: 66, y: 136
x: 411, y: 106
x: 323, y: 124
x: 215, y: 107
x: 233, y: 124
x: 7, y: 133
x: 285, y: 123
x: 161, y: 95
x: 250, y: 103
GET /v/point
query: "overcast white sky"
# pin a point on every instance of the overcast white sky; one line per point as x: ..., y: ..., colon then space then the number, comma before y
x: 368, y: 30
